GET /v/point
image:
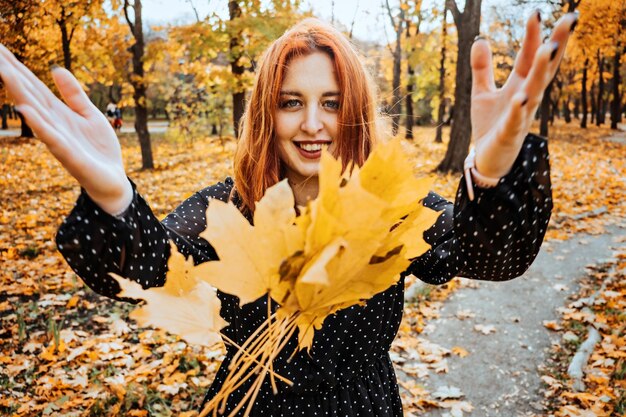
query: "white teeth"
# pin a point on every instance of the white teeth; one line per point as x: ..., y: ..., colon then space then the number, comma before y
x: 312, y: 147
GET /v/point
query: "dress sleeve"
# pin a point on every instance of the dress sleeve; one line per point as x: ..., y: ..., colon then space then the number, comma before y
x: 497, y: 236
x: 136, y: 245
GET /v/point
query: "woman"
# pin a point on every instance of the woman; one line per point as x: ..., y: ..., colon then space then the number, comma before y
x: 311, y: 92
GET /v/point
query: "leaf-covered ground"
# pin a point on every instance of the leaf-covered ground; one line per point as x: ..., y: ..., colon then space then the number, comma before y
x: 600, y: 309
x: 67, y: 351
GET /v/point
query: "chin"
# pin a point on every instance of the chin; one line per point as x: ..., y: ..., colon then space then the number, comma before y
x: 309, y: 171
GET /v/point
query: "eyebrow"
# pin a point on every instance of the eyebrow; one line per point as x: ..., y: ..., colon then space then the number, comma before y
x: 298, y: 94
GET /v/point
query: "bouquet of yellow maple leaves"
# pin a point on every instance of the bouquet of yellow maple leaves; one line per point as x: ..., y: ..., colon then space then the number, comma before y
x: 350, y: 243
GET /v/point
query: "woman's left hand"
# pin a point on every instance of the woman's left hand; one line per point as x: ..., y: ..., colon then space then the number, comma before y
x: 501, y: 118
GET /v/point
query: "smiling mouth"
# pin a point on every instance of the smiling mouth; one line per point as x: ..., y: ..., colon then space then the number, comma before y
x: 312, y: 146
x: 312, y: 150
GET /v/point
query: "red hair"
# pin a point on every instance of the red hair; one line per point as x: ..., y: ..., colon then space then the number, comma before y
x: 257, y: 163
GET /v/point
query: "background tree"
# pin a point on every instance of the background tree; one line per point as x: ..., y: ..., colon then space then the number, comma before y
x: 138, y: 81
x: 442, y: 76
x: 413, y: 20
x: 70, y: 16
x: 595, y: 56
x: 398, y: 22
x: 236, y: 67
x: 19, y: 24
x: 468, y: 25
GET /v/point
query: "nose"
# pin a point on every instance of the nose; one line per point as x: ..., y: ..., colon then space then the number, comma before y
x: 312, y: 122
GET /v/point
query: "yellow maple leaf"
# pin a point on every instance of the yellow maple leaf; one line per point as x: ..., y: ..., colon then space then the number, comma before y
x: 250, y: 256
x: 185, y: 305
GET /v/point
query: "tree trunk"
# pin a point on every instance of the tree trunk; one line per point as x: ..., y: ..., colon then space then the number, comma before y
x: 65, y: 42
x: 26, y: 132
x: 545, y: 102
x: 617, y: 99
x: 576, y: 108
x: 236, y: 68
x: 605, y: 105
x: 138, y: 82
x: 600, y: 100
x: 544, y: 110
x: 5, y: 114
x: 410, y: 119
x: 567, y: 116
x: 468, y: 26
x: 594, y: 105
x: 583, y: 95
x: 442, y: 77
x: 396, y: 105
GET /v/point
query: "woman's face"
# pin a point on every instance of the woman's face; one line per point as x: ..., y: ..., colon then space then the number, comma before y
x: 306, y: 116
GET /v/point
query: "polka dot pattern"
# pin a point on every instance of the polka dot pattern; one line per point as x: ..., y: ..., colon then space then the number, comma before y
x: 348, y: 371
x: 497, y: 236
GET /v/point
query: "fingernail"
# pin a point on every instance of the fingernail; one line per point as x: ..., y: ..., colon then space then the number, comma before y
x: 571, y: 29
x: 555, y: 49
x: 479, y: 37
x: 525, y: 101
x: 54, y: 66
x: 538, y: 16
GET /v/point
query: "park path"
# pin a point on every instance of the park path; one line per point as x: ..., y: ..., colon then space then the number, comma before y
x: 501, y: 374
x: 128, y: 127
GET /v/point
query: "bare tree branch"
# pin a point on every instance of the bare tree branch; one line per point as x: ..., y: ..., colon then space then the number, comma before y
x: 393, y: 21
x: 130, y: 24
x: 195, y: 11
x: 388, y: 44
x: 456, y: 14
x: 354, y: 18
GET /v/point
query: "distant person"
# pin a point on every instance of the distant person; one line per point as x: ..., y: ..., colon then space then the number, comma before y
x: 114, y: 115
x: 117, y: 119
x: 110, y: 112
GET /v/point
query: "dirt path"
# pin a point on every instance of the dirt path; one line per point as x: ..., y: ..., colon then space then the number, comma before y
x: 500, y: 375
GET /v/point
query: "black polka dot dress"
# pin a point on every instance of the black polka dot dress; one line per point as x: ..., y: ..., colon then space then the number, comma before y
x: 348, y: 371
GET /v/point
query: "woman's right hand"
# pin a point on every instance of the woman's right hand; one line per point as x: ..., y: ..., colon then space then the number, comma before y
x: 75, y: 132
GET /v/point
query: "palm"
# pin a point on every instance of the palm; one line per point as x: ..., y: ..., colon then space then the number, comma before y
x: 76, y: 133
x: 489, y: 111
x: 501, y: 117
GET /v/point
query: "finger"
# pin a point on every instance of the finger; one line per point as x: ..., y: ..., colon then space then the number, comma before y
x: 38, y: 90
x: 562, y: 31
x: 44, y: 115
x: 15, y: 85
x: 532, y: 41
x: 72, y: 92
x: 482, y: 67
x: 540, y: 74
x: 29, y: 80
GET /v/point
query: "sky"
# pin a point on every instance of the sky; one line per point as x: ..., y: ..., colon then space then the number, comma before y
x: 369, y: 25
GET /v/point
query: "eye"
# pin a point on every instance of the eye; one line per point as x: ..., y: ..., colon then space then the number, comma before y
x: 331, y: 104
x: 289, y: 104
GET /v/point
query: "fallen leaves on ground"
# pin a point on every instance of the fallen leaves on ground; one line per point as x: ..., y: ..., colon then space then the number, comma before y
x: 65, y: 350
x: 601, y: 303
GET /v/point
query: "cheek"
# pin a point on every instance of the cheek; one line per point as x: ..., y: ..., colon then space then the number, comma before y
x: 286, y: 126
x: 333, y: 125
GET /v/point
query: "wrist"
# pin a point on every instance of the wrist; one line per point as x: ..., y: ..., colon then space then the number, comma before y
x: 473, y: 176
x: 116, y: 205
